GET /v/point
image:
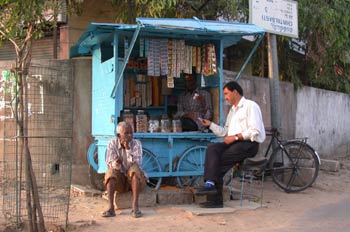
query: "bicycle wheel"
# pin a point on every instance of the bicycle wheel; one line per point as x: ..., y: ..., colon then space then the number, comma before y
x: 295, y: 166
x: 192, y: 159
x: 151, y: 165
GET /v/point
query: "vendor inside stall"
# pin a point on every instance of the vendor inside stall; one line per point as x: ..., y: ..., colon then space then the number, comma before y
x: 192, y: 104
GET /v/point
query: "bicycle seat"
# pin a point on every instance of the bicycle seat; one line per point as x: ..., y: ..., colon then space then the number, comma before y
x: 269, y: 131
x: 254, y: 162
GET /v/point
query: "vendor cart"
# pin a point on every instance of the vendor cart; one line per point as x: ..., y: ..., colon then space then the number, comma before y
x: 130, y: 75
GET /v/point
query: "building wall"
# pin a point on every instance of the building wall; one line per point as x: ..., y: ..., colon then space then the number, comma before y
x: 92, y: 11
x: 69, y: 32
x: 41, y: 49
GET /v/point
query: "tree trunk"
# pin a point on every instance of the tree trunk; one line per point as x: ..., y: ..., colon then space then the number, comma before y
x: 33, y: 208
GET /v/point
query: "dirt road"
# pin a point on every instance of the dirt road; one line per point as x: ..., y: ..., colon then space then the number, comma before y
x: 324, y: 207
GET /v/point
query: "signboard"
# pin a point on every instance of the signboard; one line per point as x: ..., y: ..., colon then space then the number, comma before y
x: 275, y: 16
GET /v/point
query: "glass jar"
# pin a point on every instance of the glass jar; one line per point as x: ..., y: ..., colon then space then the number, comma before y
x: 165, y: 124
x: 153, y: 125
x: 177, y: 127
x: 128, y: 116
x: 141, y: 121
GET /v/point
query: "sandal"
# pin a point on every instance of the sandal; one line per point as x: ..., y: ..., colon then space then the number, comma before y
x: 108, y: 213
x: 136, y: 213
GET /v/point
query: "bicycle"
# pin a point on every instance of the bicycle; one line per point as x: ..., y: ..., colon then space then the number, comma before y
x: 293, y: 164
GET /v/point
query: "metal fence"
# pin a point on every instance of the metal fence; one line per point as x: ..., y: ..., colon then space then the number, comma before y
x: 48, y: 98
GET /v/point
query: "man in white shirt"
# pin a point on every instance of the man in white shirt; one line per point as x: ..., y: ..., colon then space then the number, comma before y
x: 242, y: 133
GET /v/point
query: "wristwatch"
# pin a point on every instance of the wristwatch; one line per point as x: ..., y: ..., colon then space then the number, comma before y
x: 236, y: 138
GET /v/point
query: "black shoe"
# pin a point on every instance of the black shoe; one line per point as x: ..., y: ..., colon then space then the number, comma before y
x: 207, y: 191
x: 211, y: 204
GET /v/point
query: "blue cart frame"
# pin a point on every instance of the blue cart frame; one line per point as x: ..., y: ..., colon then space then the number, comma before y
x: 179, y: 155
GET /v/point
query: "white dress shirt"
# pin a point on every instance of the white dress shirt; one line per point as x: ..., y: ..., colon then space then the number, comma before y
x: 245, y: 119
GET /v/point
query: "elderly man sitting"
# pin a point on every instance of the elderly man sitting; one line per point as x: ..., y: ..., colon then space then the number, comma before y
x: 124, y: 159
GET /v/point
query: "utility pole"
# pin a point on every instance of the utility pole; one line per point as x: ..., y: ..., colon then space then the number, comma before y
x: 274, y: 81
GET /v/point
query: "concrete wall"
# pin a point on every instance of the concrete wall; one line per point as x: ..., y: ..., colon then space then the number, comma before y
x: 82, y: 119
x: 324, y: 117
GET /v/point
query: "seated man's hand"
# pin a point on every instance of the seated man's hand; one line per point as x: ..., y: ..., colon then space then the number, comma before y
x: 126, y: 145
x: 230, y: 139
x: 204, y: 122
x: 116, y: 163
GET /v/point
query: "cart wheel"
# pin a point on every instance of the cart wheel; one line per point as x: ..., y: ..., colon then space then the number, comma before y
x: 151, y: 165
x: 96, y: 179
x: 192, y: 159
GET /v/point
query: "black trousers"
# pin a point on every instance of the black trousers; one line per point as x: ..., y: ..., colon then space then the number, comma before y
x: 220, y: 157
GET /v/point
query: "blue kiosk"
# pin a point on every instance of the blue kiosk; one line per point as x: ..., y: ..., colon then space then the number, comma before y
x: 119, y: 54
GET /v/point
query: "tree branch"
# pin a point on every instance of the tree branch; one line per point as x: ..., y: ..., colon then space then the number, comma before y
x: 199, y: 9
x: 7, y: 37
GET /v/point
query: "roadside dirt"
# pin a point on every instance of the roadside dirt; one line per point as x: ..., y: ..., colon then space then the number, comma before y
x: 281, y: 211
